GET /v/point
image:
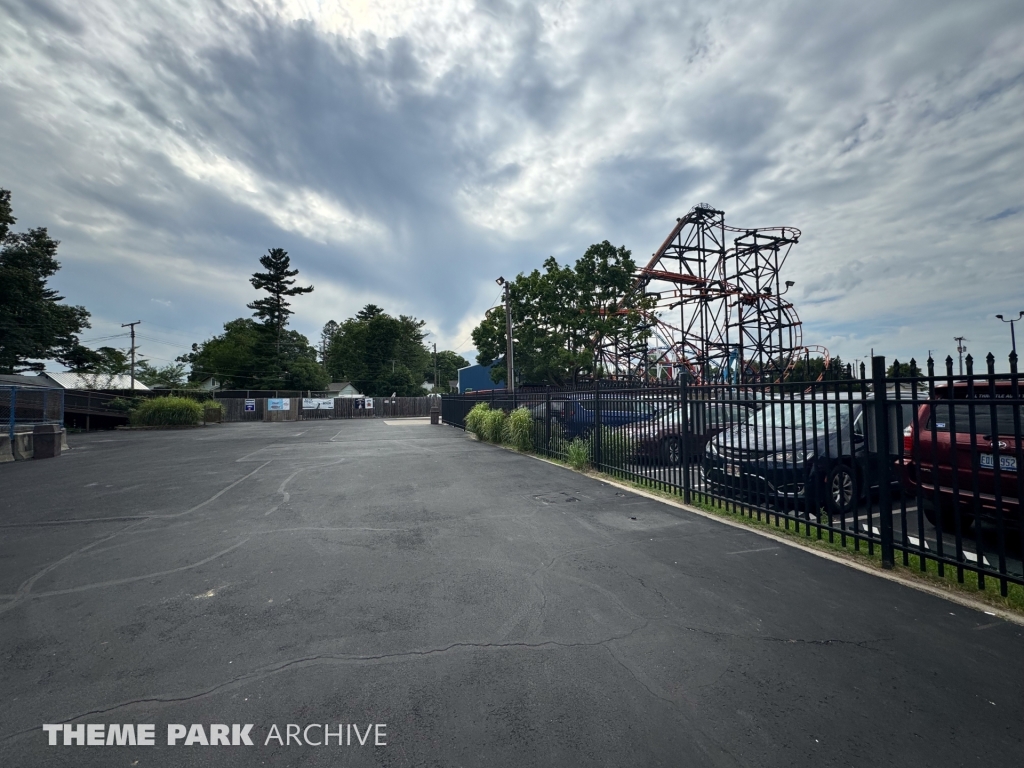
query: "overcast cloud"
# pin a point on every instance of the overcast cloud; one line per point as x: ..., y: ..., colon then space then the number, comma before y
x: 407, y: 153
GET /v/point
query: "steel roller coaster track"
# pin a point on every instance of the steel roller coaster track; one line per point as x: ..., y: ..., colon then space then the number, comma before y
x: 715, y: 309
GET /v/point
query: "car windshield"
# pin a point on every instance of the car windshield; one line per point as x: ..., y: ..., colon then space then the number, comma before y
x: 807, y: 416
x: 982, y: 409
x: 705, y: 414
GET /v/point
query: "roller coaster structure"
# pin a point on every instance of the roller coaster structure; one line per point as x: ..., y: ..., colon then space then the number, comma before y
x: 714, y: 310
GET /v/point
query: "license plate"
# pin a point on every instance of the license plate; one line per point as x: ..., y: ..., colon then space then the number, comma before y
x: 1006, y: 463
x: 732, y: 469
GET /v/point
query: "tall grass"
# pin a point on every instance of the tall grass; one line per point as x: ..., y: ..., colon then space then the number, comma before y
x: 475, y: 419
x: 578, y: 453
x: 518, y: 431
x: 167, y: 412
x: 493, y: 425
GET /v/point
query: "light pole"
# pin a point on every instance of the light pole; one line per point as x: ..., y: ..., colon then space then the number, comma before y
x: 1013, y: 338
x: 510, y: 381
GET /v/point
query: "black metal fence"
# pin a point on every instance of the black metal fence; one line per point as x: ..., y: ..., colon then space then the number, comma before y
x: 30, y: 406
x: 925, y: 468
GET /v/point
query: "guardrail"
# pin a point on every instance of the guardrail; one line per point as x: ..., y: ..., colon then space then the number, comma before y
x: 926, y: 467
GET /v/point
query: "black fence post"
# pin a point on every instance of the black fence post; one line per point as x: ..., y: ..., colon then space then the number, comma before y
x: 597, y: 423
x: 547, y: 421
x: 684, y: 454
x: 883, y: 460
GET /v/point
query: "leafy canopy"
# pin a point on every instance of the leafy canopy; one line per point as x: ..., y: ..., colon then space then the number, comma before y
x: 34, y: 324
x: 379, y: 354
x: 558, y: 313
x: 248, y: 355
x: 448, y: 364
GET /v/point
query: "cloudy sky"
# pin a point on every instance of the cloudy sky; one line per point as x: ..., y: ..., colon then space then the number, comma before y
x: 407, y: 153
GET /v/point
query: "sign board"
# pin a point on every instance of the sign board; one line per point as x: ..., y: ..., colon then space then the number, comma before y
x: 278, y: 404
x: 369, y: 403
x: 318, y: 403
x: 250, y: 405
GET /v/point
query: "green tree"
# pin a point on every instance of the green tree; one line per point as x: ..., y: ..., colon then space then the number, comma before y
x: 249, y: 355
x: 34, y: 324
x: 560, y: 314
x: 380, y: 354
x: 330, y: 328
x: 448, y: 364
x: 898, y: 370
x: 170, y: 376
x: 278, y: 281
x: 110, y: 361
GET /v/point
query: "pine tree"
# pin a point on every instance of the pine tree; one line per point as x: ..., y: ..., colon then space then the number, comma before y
x: 35, y: 324
x: 279, y: 282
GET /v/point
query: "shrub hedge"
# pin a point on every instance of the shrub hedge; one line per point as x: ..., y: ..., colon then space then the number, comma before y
x: 167, y: 412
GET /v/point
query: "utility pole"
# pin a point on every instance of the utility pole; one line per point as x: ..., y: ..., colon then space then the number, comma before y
x: 960, y: 349
x: 437, y: 384
x: 132, y: 326
x: 509, y: 361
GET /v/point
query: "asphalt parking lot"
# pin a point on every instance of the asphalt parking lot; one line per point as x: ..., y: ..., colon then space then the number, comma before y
x: 490, y: 608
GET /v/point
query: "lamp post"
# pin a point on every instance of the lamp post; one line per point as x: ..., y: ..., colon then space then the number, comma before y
x: 510, y: 383
x: 1013, y: 338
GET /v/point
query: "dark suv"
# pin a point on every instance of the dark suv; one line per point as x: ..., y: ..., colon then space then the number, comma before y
x: 963, y: 457
x: 798, y: 454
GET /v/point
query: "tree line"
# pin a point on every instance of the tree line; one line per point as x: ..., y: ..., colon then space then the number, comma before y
x: 378, y: 353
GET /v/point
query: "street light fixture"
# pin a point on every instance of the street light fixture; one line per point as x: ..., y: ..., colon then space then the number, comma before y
x: 1013, y: 337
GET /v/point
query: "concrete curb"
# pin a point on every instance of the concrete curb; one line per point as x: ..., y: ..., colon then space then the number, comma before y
x: 921, y: 586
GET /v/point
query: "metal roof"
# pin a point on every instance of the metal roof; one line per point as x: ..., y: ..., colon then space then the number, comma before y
x: 69, y: 380
x: 8, y: 379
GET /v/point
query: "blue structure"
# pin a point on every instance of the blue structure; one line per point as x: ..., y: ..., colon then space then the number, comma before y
x: 477, y: 377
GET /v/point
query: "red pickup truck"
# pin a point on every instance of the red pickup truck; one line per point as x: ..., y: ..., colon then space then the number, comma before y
x: 964, y: 456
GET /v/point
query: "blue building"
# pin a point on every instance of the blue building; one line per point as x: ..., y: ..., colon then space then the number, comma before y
x: 477, y: 377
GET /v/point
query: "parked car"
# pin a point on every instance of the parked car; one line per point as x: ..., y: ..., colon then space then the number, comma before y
x: 942, y: 451
x: 798, y: 454
x: 661, y: 439
x: 577, y: 417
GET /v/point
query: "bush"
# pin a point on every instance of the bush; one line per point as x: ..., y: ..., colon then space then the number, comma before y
x: 578, y: 453
x: 518, y: 431
x: 494, y: 425
x: 167, y: 412
x: 125, y: 404
x: 475, y: 419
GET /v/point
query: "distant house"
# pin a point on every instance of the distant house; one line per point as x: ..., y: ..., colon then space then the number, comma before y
x: 476, y: 377
x: 209, y: 384
x: 68, y: 380
x: 343, y: 389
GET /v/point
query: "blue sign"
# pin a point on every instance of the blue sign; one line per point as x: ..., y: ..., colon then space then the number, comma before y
x: 250, y: 405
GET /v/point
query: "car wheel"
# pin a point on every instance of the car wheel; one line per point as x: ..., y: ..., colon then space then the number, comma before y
x: 671, y: 451
x: 839, y: 487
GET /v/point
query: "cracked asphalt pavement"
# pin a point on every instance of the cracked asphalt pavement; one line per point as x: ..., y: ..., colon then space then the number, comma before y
x: 490, y: 608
